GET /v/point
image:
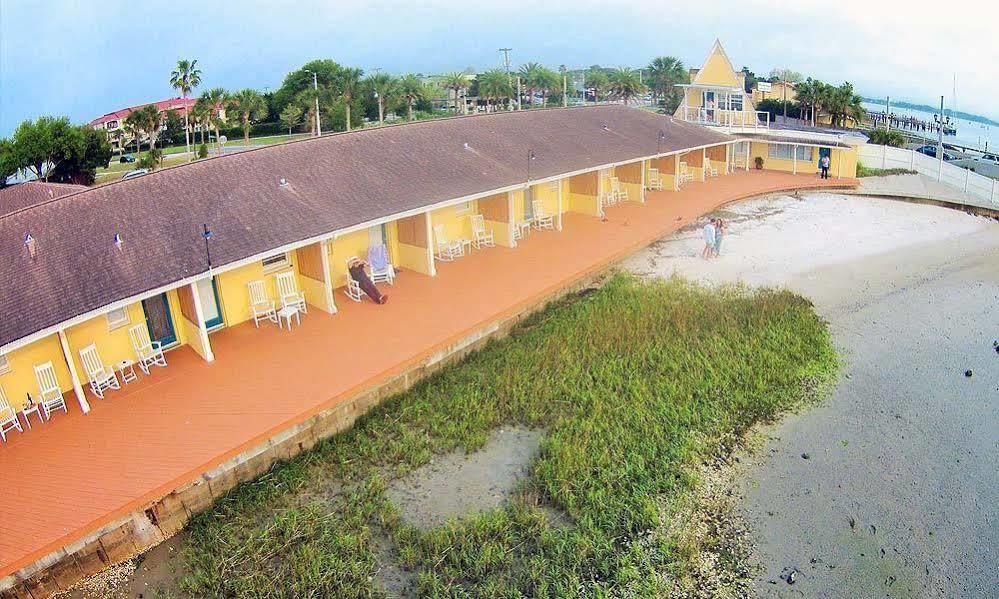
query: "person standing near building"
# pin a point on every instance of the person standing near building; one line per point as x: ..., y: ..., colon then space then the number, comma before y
x: 824, y: 165
x: 709, y: 240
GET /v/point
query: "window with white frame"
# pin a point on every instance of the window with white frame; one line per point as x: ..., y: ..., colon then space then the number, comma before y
x: 118, y: 318
x: 787, y: 151
x: 735, y: 102
x: 4, y: 364
x: 276, y: 262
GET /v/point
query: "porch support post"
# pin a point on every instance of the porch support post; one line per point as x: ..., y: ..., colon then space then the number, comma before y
x: 429, y: 224
x: 324, y: 251
x: 558, y: 219
x: 199, y: 312
x: 794, y: 159
x: 676, y: 172
x: 642, y: 191
x: 748, y: 146
x: 704, y: 164
x: 71, y: 364
x: 839, y: 165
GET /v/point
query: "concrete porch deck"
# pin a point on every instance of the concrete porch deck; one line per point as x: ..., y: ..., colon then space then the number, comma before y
x: 68, y: 477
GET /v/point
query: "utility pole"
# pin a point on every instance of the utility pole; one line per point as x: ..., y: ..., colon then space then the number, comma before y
x: 518, y: 93
x: 941, y: 121
x: 888, y: 113
x: 565, y: 86
x: 506, y: 67
x: 315, y: 86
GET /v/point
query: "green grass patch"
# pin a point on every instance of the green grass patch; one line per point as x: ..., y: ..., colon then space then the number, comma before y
x: 635, y: 384
x: 863, y: 171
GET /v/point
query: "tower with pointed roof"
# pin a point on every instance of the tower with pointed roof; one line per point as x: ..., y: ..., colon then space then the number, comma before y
x: 716, y: 94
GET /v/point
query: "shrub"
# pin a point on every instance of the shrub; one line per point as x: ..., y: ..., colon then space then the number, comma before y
x: 759, y: 163
x: 884, y: 137
x: 151, y: 159
x: 202, y: 151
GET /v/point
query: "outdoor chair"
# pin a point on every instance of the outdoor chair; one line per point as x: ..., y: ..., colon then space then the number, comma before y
x: 654, y: 182
x: 709, y: 169
x: 447, y: 250
x: 49, y: 393
x: 261, y: 306
x: 8, y: 417
x: 353, y: 289
x: 541, y: 219
x: 289, y: 293
x: 379, y: 265
x: 685, y: 175
x: 149, y: 353
x: 480, y: 235
x: 101, y: 376
x: 618, y: 192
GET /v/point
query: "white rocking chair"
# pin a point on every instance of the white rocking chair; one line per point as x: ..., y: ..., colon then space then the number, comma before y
x: 709, y: 169
x: 654, y: 181
x: 8, y: 417
x: 353, y: 289
x: 288, y: 291
x: 447, y: 250
x: 149, y: 353
x: 619, y: 193
x: 261, y: 306
x: 101, y: 377
x: 539, y: 218
x: 379, y: 266
x: 49, y: 393
x: 480, y: 235
x: 685, y: 175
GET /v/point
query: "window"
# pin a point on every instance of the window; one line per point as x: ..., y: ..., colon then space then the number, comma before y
x: 553, y: 186
x: 275, y: 262
x: 735, y: 102
x: 4, y: 364
x: 118, y: 318
x: 783, y: 152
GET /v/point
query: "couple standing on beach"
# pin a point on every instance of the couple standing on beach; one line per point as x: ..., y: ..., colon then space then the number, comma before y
x: 714, y: 231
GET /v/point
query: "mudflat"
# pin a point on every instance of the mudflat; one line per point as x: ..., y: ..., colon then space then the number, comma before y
x: 891, y: 486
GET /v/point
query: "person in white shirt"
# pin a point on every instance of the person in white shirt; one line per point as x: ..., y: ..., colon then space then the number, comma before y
x: 709, y: 240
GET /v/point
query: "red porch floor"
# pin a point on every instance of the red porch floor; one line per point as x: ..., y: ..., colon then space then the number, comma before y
x: 78, y: 472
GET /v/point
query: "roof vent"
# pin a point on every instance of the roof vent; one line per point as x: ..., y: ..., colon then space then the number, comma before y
x: 606, y: 128
x: 283, y: 182
x: 29, y: 243
x: 467, y: 147
x: 51, y: 195
x: 119, y: 242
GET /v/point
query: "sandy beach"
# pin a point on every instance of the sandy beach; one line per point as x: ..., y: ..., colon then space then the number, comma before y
x: 890, y: 487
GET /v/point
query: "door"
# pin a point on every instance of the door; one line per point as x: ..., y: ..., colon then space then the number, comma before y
x: 208, y: 292
x: 709, y: 106
x: 823, y: 153
x: 158, y: 319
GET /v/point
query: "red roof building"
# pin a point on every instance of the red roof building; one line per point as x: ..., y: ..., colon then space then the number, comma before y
x: 112, y: 120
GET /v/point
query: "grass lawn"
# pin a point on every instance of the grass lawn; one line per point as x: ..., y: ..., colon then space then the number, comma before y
x: 635, y: 385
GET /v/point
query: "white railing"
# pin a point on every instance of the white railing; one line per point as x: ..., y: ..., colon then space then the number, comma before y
x: 732, y: 119
x: 977, y: 186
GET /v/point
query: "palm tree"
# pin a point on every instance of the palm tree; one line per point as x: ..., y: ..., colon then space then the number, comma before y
x: 412, y: 89
x: 546, y: 80
x: 530, y: 77
x: 349, y: 84
x: 185, y: 78
x: 494, y: 85
x: 597, y: 79
x: 215, y: 99
x: 385, y: 88
x: 809, y: 93
x: 625, y: 84
x: 456, y: 82
x: 145, y: 120
x: 247, y: 104
x: 665, y: 73
x: 201, y: 114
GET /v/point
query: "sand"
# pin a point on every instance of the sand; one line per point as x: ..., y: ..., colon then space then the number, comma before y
x: 899, y: 495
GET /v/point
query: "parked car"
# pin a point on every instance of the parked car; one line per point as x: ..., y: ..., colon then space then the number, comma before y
x: 133, y: 174
x: 126, y: 158
x: 989, y: 158
x: 931, y: 151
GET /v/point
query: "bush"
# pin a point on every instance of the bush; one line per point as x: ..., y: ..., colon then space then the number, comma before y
x: 256, y: 130
x: 776, y: 108
x: 759, y: 163
x: 202, y: 151
x: 151, y: 159
x: 863, y: 171
x: 884, y: 137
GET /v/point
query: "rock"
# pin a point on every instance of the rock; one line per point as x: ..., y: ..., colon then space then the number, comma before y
x: 967, y: 373
x: 805, y: 456
x: 792, y: 576
x: 853, y: 523
x: 874, y: 529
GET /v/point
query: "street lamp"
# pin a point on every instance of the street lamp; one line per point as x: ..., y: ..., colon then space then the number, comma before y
x: 315, y: 86
x: 662, y: 138
x: 207, y: 234
x: 530, y: 157
x: 941, y: 122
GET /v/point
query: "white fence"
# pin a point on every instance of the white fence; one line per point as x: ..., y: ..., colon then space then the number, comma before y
x: 736, y: 119
x: 978, y: 186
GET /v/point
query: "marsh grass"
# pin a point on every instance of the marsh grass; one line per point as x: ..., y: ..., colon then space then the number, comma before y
x: 635, y: 384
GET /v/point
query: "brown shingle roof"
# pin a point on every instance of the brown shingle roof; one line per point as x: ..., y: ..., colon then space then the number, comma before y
x: 24, y: 195
x: 332, y: 183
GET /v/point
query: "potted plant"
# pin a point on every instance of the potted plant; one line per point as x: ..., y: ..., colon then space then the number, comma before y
x: 759, y: 163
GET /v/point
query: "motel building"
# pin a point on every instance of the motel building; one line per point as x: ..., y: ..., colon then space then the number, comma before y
x: 166, y: 337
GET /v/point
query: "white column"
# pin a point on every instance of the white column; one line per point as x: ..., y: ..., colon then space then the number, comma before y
x: 748, y: 146
x: 967, y: 178
x: 643, y: 182
x: 430, y: 244
x: 884, y: 156
x: 71, y: 364
x: 324, y: 249
x: 511, y: 219
x: 199, y: 314
x: 558, y: 219
x: 704, y: 161
x: 794, y: 159
x: 839, y: 165
x: 912, y: 160
x: 728, y: 156
x: 676, y: 172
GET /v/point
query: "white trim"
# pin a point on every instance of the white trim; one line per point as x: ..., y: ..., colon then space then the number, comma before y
x: 4, y: 364
x: 77, y: 386
x: 288, y: 247
x: 327, y: 276
x: 558, y: 219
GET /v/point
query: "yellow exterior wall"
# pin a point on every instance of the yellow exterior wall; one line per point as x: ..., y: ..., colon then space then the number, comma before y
x: 234, y: 294
x: 584, y: 204
x: 717, y: 70
x: 846, y: 156
x: 456, y: 220
x: 176, y: 317
x: 113, y: 346
x: 412, y: 257
x: 548, y: 194
x: 351, y: 244
x: 21, y: 379
x: 518, y: 206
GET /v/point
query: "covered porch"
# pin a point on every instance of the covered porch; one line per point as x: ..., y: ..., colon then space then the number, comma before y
x: 79, y: 472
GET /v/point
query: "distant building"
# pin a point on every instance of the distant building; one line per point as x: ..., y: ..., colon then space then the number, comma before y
x: 777, y: 90
x: 112, y: 122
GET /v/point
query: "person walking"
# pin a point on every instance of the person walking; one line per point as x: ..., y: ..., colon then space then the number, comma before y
x: 709, y: 239
x: 824, y: 165
x: 719, y: 234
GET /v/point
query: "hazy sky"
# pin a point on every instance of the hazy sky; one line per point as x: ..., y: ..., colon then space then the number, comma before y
x: 83, y: 59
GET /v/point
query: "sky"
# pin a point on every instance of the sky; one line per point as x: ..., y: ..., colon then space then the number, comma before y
x: 85, y: 58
